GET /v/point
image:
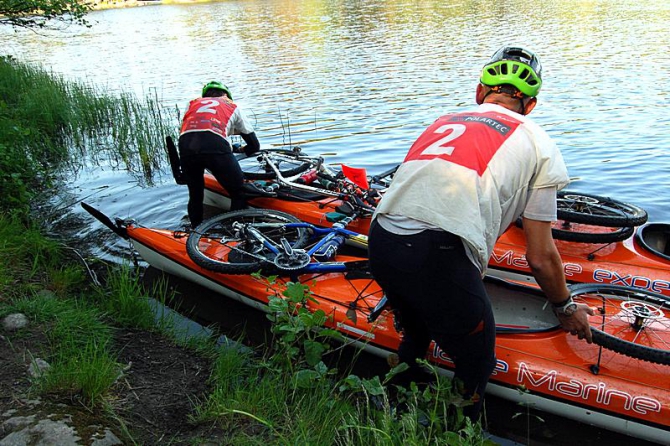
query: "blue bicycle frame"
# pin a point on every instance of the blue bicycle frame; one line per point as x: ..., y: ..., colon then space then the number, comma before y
x: 325, y: 248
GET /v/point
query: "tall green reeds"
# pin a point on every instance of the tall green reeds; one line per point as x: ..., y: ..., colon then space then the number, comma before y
x: 48, y: 122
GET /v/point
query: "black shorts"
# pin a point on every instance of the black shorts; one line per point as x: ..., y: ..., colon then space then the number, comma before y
x: 202, y: 143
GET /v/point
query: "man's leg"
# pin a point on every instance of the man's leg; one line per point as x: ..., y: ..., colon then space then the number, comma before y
x: 190, y: 145
x: 444, y: 291
x: 474, y: 358
x: 228, y: 173
x: 465, y: 329
x: 392, y: 263
x: 194, y: 173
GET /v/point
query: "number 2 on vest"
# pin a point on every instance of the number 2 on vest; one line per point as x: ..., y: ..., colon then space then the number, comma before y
x: 440, y: 146
x: 208, y: 106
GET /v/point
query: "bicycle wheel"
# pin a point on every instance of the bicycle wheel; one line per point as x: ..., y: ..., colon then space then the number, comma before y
x: 630, y: 321
x: 581, y: 233
x: 287, y: 162
x: 218, y: 246
x: 600, y: 211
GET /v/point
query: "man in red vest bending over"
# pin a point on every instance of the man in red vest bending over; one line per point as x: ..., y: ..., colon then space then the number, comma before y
x: 204, y: 143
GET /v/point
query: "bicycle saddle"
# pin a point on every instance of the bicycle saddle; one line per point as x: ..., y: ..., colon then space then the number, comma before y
x: 253, y: 190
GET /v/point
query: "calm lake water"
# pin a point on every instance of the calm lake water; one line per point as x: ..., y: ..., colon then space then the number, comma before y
x: 361, y: 79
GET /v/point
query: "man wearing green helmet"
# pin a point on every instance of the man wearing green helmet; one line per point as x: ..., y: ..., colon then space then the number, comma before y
x: 204, y: 143
x: 463, y: 182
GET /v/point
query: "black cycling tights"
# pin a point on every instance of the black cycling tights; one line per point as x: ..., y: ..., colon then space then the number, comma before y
x: 227, y: 172
x: 440, y: 296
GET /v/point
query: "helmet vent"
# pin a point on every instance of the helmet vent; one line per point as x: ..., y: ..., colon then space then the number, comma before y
x: 524, y: 74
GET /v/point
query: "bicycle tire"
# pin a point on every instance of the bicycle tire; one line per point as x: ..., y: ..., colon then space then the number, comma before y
x: 578, y: 236
x: 571, y: 232
x: 598, y: 211
x: 613, y: 325
x: 216, y: 246
x: 288, y: 164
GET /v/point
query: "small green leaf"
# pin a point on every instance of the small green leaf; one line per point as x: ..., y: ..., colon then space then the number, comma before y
x: 313, y: 352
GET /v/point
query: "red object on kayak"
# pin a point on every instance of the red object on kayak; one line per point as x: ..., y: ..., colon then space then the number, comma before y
x: 357, y: 175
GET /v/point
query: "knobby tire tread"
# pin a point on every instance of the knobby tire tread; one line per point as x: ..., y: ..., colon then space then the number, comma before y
x: 593, y: 237
x: 618, y: 345
x: 265, y: 266
x: 618, y: 235
x: 649, y: 354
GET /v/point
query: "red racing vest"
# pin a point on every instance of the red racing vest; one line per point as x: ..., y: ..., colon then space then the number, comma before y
x: 468, y: 139
x: 208, y: 114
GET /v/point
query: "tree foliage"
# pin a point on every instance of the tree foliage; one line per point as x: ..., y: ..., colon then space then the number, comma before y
x: 43, y: 13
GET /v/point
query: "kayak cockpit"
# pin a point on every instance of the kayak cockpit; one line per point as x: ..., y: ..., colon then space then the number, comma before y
x: 519, y: 309
x: 655, y: 238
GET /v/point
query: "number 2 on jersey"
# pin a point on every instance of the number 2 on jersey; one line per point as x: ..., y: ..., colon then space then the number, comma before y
x: 441, y: 147
x: 208, y: 106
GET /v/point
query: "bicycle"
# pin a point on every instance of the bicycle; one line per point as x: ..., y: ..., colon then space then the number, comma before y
x: 251, y: 240
x: 586, y: 218
x: 291, y: 171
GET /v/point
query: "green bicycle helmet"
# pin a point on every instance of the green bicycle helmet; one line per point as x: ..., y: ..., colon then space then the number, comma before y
x: 514, y: 66
x: 219, y: 86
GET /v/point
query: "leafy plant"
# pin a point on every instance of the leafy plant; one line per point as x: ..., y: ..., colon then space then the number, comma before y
x: 301, y: 338
x: 43, y: 13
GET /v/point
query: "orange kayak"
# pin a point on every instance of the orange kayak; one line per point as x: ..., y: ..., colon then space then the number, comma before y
x: 642, y: 260
x: 538, y: 363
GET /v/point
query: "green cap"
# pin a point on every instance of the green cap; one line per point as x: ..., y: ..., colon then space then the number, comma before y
x: 514, y: 66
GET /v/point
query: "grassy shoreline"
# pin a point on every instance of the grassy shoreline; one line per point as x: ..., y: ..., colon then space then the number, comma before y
x: 277, y: 395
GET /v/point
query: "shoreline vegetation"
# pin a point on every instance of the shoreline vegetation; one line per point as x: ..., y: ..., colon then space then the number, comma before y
x: 102, y: 355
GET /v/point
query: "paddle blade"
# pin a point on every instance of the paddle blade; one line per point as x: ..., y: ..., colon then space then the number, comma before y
x: 102, y: 218
x: 358, y: 176
x: 175, y: 162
